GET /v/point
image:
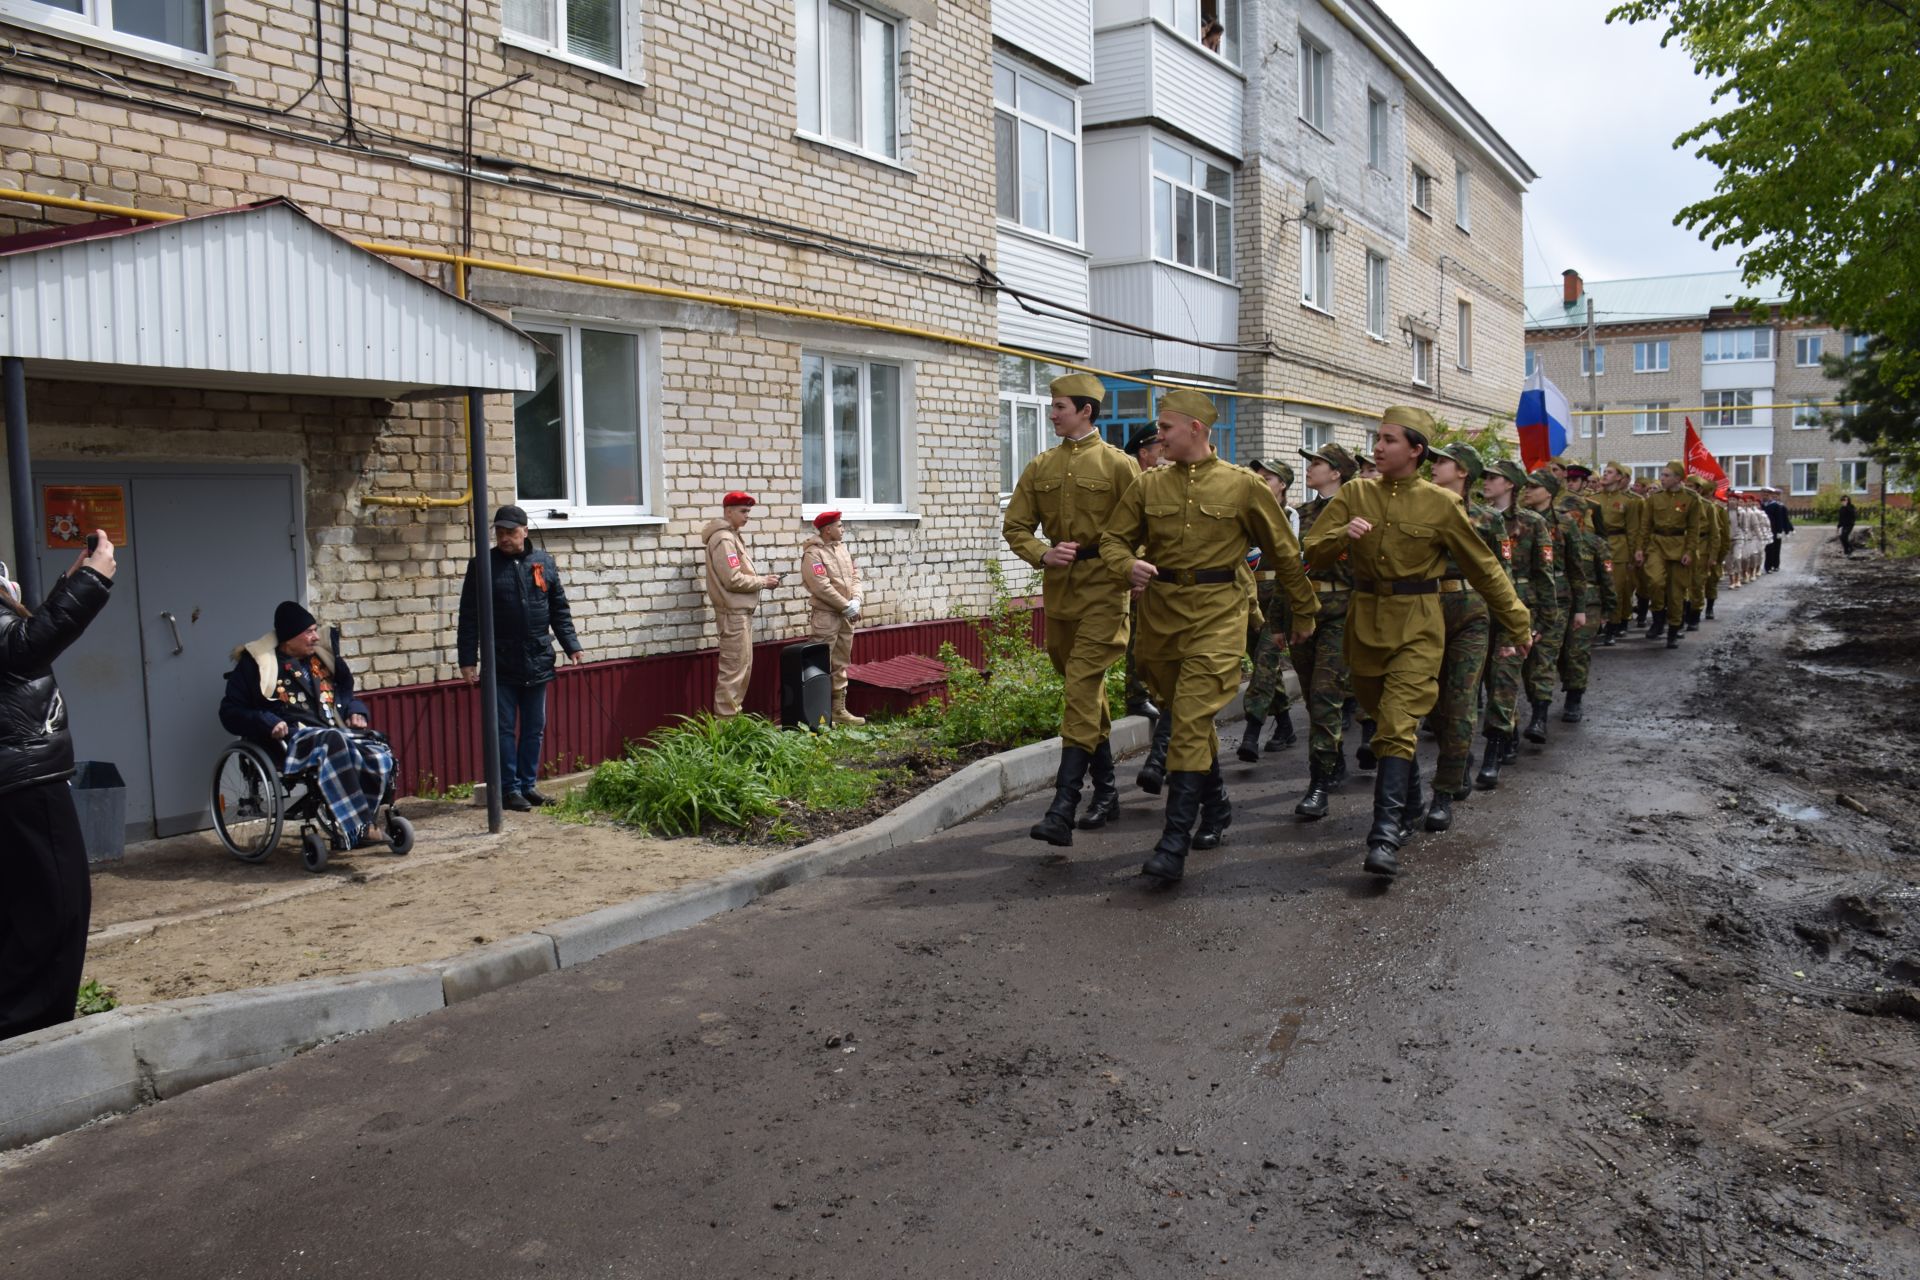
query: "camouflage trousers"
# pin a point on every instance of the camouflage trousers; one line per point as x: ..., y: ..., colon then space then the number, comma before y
x: 1543, y: 661
x: 1503, y: 693
x: 1267, y: 690
x: 1576, y: 653
x: 1321, y: 665
x: 1469, y: 627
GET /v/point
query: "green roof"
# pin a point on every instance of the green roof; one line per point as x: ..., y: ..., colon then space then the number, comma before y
x: 1645, y: 299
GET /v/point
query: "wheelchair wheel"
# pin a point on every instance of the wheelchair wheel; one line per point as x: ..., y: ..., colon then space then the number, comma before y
x: 313, y: 851
x: 399, y: 834
x: 249, y: 805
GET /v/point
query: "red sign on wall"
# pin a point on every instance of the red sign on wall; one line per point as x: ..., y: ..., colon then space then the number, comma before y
x: 76, y: 510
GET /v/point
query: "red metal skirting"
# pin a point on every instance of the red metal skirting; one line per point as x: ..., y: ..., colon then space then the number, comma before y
x: 595, y: 709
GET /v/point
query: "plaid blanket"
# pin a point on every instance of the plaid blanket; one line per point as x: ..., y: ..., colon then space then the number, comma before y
x: 353, y: 774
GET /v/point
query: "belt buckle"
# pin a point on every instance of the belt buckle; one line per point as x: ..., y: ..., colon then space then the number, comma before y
x: 1183, y: 578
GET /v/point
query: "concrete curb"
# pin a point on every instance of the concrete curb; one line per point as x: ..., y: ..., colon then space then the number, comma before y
x: 60, y: 1078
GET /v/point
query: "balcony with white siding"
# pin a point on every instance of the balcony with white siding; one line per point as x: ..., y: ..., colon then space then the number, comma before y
x: 1057, y: 34
x: 1145, y: 71
x: 1180, y: 303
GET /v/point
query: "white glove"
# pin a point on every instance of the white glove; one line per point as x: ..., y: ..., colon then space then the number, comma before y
x: 852, y: 611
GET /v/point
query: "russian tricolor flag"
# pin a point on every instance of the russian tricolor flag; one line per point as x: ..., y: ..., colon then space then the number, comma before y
x: 1542, y: 419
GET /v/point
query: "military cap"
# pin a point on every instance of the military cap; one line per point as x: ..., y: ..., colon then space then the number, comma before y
x: 1675, y: 467
x: 1614, y: 464
x: 1578, y: 468
x: 1334, y: 456
x: 1084, y: 385
x: 1545, y: 478
x: 1193, y: 404
x: 1508, y: 469
x: 1466, y: 455
x: 1417, y: 422
x: 1277, y: 468
x: 1140, y: 437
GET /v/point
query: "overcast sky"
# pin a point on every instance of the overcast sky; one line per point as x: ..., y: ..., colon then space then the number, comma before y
x: 1594, y: 107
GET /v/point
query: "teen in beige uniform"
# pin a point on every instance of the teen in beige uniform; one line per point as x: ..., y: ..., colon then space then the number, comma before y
x: 833, y: 580
x: 734, y: 587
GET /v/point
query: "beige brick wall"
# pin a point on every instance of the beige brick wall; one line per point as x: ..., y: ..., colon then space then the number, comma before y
x: 714, y: 123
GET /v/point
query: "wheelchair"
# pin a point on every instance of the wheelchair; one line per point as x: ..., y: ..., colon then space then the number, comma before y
x: 253, y: 802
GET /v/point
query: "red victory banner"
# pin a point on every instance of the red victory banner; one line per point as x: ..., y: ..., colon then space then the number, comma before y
x: 1700, y: 462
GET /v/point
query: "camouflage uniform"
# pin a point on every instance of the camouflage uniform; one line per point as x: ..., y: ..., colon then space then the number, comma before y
x: 1588, y: 550
x: 1321, y: 662
x: 1571, y: 586
x: 1528, y: 546
x: 1469, y: 628
x: 1267, y: 643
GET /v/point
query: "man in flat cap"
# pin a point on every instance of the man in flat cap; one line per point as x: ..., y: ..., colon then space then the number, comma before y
x: 1267, y: 639
x: 1397, y: 531
x: 1193, y: 522
x: 1321, y: 663
x: 1457, y: 468
x: 1543, y: 663
x: 1067, y: 493
x: 734, y: 587
x: 530, y: 612
x: 833, y: 580
x: 1624, y: 512
x: 1527, y: 541
x: 1669, y: 542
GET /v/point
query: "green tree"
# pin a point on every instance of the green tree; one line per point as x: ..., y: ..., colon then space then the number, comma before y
x: 1817, y: 149
x: 1882, y: 417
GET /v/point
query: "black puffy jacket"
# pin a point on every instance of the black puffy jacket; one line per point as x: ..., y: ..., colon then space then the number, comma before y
x: 528, y: 602
x: 35, y: 746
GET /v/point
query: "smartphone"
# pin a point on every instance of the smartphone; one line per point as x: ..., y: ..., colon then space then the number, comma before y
x: 93, y: 543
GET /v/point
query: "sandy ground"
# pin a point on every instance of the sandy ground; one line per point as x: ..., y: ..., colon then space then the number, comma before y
x: 182, y: 917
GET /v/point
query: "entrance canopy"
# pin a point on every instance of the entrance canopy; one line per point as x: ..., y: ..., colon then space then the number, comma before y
x: 258, y: 298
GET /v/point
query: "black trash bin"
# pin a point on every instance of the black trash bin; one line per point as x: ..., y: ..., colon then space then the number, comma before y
x: 100, y: 798
x: 806, y: 684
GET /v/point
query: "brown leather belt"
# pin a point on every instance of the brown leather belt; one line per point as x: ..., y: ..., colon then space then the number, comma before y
x: 1415, y: 587
x: 1088, y: 551
x: 1195, y: 577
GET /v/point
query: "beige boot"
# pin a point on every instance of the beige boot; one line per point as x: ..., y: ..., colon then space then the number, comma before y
x: 840, y: 713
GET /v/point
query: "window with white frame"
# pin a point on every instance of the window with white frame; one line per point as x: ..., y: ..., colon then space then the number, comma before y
x: 1314, y: 436
x: 1728, y: 409
x: 1422, y: 191
x: 1463, y: 197
x: 581, y: 436
x: 1024, y: 429
x: 1423, y: 360
x: 1533, y: 362
x: 847, y: 65
x: 1373, y: 439
x: 1744, y: 471
x: 1855, y: 344
x: 166, y: 28
x: 1463, y: 311
x: 1316, y: 267
x: 1650, y: 419
x: 1652, y: 357
x: 1376, y: 294
x: 1805, y: 476
x: 1193, y: 18
x: 1378, y: 119
x: 1723, y: 346
x: 1592, y: 424
x: 1593, y: 360
x: 1036, y: 133
x: 1897, y: 479
x: 1807, y: 414
x: 1192, y: 211
x: 1648, y: 472
x: 1853, y: 475
x: 852, y: 433
x: 601, y: 32
x: 1806, y: 350
x: 1314, y: 70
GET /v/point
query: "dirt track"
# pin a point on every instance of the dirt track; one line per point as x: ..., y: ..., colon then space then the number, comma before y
x: 1621, y: 1021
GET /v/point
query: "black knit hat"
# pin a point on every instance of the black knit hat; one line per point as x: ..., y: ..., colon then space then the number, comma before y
x: 289, y: 620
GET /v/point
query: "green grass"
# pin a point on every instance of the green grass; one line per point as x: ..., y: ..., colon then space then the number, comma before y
x: 94, y: 998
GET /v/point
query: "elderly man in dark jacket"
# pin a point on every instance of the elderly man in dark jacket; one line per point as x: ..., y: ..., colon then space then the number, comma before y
x: 1781, y: 523
x: 528, y: 604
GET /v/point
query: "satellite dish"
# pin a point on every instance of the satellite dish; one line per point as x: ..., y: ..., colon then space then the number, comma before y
x: 1315, y: 197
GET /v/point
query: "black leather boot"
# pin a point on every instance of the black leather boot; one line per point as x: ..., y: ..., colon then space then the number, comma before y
x: 1057, y: 826
x: 1693, y: 618
x: 1363, y: 757
x: 1709, y: 608
x: 1659, y: 627
x: 1216, y: 811
x: 1283, y: 735
x: 1440, y: 812
x: 1168, y: 862
x: 1490, y: 761
x: 1153, y: 770
x: 1570, y: 712
x: 1313, y: 805
x: 1536, y: 730
x: 1143, y: 706
x: 1413, y: 803
x: 1339, y: 774
x: 1389, y: 800
x: 1607, y: 634
x: 1673, y: 638
x: 1105, y: 805
x: 1250, y: 740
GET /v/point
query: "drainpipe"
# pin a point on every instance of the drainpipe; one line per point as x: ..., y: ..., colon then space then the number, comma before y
x: 483, y: 589
x: 26, y: 539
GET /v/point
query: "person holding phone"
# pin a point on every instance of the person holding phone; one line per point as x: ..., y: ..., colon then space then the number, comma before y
x: 45, y: 898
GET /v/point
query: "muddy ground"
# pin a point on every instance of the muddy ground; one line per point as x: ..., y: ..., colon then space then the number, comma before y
x: 1647, y: 1010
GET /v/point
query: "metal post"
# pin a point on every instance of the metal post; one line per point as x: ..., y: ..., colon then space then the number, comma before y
x: 26, y: 538
x: 1593, y: 396
x: 483, y: 589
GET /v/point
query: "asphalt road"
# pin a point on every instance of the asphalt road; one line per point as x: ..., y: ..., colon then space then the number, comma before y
x: 954, y: 1060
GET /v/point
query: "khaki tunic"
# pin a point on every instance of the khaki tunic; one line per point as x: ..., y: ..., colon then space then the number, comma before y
x: 1394, y: 643
x: 1626, y: 514
x: 833, y: 580
x: 734, y: 587
x: 1205, y: 516
x: 1675, y: 529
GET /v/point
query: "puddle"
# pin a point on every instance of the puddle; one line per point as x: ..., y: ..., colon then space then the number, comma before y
x: 1850, y: 673
x: 1793, y: 811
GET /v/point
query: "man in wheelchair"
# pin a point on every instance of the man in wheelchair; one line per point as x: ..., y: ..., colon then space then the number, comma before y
x: 292, y: 695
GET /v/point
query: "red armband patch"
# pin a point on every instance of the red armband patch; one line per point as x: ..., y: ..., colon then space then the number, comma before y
x: 1546, y: 553
x: 819, y: 571
x: 733, y: 562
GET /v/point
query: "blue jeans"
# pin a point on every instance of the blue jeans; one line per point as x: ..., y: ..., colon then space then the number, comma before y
x: 523, y: 707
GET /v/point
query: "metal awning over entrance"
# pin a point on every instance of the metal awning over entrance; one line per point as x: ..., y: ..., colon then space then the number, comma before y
x: 255, y: 298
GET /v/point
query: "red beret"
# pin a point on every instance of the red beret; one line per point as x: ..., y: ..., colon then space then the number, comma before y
x: 825, y: 518
x: 737, y: 499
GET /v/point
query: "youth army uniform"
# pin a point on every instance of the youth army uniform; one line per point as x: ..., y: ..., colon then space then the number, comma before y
x: 1196, y: 522
x: 1527, y: 546
x: 1468, y: 629
x: 1269, y: 626
x: 1671, y: 537
x: 1589, y: 548
x: 1571, y: 588
x: 1321, y: 662
x: 1624, y: 513
x: 1711, y: 565
x: 1396, y: 632
x: 1069, y: 492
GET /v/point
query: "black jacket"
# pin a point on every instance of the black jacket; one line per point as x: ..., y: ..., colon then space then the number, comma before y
x: 248, y: 713
x: 1777, y: 516
x: 1847, y: 516
x: 528, y: 602
x: 35, y: 745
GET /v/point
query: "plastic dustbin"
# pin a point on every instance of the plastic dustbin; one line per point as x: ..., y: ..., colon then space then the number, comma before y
x: 100, y: 798
x: 806, y: 684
